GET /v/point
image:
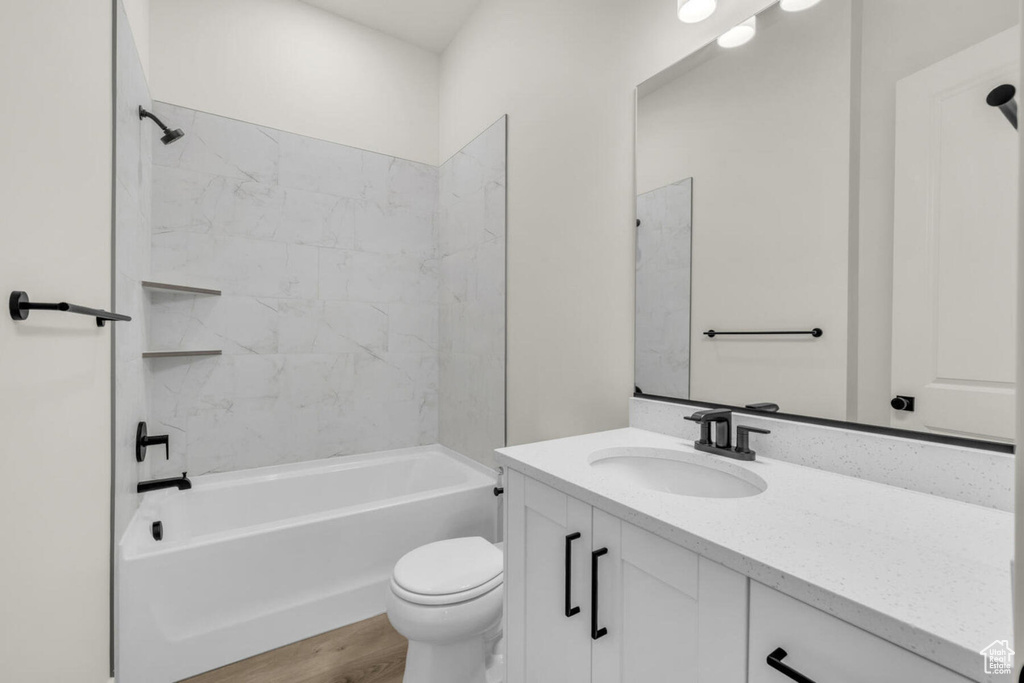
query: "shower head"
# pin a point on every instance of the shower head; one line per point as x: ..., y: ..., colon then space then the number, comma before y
x: 169, y: 135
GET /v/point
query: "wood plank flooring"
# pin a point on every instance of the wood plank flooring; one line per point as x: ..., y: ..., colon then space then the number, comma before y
x: 367, y: 652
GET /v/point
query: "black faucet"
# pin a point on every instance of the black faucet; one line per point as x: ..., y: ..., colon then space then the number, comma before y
x: 721, y: 443
x: 181, y: 483
x: 721, y: 419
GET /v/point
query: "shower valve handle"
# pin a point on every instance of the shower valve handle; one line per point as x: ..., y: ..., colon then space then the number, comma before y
x: 143, y: 441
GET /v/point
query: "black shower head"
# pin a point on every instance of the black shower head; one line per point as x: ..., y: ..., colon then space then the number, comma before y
x: 169, y: 135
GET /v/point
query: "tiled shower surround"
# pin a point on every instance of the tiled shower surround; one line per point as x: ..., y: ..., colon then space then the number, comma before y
x: 471, y: 223
x: 330, y: 265
x: 133, y: 146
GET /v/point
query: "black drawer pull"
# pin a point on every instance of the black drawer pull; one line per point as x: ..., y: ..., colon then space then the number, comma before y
x: 775, y: 662
x: 569, y: 609
x: 595, y: 632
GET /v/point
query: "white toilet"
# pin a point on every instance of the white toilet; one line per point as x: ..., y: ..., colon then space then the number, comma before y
x: 446, y: 598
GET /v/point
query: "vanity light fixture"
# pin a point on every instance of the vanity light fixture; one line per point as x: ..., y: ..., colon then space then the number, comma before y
x: 694, y: 11
x: 739, y: 35
x: 797, y: 5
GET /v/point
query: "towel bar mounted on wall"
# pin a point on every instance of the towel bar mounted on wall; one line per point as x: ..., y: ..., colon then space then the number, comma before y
x: 816, y: 332
x: 19, y: 306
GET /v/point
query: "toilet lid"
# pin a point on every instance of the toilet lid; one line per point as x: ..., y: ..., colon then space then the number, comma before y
x: 449, y: 567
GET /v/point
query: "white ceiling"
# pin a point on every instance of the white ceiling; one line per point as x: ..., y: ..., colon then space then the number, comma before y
x: 431, y: 24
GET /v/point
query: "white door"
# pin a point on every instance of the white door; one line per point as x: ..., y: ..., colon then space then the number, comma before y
x: 954, y: 247
x: 543, y: 645
x: 668, y: 615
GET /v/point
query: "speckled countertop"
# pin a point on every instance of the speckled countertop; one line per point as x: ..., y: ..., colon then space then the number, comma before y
x: 927, y: 573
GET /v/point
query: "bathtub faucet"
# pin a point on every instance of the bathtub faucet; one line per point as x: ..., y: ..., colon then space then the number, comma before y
x: 181, y: 483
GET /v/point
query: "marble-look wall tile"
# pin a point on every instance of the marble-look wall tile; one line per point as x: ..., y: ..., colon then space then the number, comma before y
x: 195, y: 201
x: 663, y: 290
x: 237, y: 265
x: 471, y: 342
x: 970, y: 475
x: 132, y: 199
x: 327, y: 257
x: 380, y: 278
x: 219, y: 146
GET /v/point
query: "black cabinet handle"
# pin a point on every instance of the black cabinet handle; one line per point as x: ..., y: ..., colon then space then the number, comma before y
x: 569, y: 609
x: 775, y: 662
x: 595, y: 632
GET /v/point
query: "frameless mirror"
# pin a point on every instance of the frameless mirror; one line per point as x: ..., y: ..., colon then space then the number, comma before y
x: 827, y: 218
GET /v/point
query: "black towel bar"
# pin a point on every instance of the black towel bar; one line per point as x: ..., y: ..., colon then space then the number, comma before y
x: 20, y: 306
x: 816, y: 332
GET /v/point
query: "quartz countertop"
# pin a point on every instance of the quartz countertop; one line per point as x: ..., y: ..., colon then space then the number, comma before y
x: 927, y: 573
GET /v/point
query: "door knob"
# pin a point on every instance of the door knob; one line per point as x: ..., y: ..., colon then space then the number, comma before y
x: 903, y: 403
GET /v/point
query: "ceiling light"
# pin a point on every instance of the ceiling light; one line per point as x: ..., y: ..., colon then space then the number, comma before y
x: 797, y: 5
x: 739, y: 35
x: 693, y: 11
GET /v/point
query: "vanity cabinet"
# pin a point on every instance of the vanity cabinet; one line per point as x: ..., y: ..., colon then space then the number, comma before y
x: 592, y: 598
x: 826, y: 649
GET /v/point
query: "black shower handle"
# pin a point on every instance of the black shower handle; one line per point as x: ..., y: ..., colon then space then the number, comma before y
x: 569, y: 609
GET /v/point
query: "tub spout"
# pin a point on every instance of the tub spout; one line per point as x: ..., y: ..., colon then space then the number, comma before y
x: 181, y: 483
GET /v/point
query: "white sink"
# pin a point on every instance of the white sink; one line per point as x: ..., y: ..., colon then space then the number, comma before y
x: 678, y: 472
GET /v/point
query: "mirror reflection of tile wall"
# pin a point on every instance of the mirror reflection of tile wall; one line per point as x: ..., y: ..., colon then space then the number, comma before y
x: 663, y: 290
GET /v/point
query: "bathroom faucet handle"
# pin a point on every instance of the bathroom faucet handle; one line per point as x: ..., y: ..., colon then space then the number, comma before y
x: 743, y: 433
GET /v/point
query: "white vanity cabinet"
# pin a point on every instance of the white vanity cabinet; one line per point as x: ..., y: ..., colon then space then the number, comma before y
x: 662, y: 612
x: 825, y: 649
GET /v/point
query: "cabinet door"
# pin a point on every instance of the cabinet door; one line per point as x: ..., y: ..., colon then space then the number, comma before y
x: 827, y: 649
x: 543, y: 644
x: 670, y: 615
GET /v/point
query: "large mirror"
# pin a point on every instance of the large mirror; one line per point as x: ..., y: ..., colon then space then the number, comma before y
x: 827, y: 217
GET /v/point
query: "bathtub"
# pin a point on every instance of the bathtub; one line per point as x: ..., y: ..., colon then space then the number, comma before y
x: 257, y: 559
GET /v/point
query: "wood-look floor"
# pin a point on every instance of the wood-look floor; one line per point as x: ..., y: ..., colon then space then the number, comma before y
x: 367, y: 652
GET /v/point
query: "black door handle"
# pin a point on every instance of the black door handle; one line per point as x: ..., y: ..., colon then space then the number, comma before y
x: 775, y: 661
x: 595, y: 632
x: 569, y: 609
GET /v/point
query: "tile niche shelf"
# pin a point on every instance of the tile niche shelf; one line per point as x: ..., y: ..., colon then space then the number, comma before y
x: 184, y: 289
x: 181, y: 354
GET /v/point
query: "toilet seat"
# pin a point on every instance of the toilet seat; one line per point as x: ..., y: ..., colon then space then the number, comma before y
x: 450, y: 598
x: 448, y: 572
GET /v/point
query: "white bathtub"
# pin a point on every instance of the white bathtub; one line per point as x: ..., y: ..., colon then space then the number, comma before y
x: 253, y: 560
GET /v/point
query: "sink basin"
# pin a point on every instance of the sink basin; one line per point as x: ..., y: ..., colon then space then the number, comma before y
x: 677, y: 472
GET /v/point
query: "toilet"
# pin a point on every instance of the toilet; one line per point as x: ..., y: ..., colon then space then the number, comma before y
x: 446, y: 599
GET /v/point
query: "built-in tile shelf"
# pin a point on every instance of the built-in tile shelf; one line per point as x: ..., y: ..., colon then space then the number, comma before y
x: 180, y: 288
x: 181, y: 354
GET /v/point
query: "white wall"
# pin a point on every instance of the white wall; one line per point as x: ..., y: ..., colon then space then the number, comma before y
x: 138, y: 19
x: 565, y: 74
x: 288, y: 65
x: 55, y: 189
x: 765, y: 134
